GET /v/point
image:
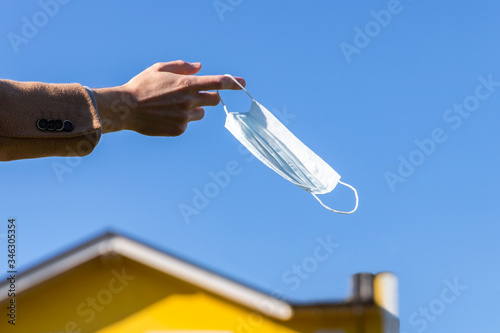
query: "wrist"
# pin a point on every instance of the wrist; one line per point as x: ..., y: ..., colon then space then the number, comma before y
x: 111, y: 106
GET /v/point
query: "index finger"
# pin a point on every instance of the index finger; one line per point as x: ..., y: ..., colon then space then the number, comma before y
x: 216, y: 82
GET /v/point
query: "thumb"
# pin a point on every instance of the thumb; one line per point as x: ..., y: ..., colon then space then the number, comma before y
x: 180, y: 67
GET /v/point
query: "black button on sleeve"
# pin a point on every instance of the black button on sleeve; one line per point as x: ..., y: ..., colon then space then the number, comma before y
x: 59, y: 125
x: 68, y: 126
x: 42, y: 124
x: 52, y: 125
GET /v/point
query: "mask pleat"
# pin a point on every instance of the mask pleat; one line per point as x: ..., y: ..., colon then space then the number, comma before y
x: 265, y: 152
x: 282, y: 157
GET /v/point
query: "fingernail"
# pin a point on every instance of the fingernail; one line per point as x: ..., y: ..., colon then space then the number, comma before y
x: 196, y: 64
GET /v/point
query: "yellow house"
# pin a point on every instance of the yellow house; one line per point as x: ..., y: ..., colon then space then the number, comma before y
x: 116, y: 284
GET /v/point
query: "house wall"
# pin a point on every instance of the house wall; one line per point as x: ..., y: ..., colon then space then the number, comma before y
x: 114, y: 294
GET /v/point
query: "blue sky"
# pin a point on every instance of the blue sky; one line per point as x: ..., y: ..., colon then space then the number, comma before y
x: 388, y: 110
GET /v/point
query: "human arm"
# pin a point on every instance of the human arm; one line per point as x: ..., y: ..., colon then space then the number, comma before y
x: 159, y: 101
x: 40, y: 119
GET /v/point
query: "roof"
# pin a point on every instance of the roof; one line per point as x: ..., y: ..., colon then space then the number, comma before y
x: 168, y: 263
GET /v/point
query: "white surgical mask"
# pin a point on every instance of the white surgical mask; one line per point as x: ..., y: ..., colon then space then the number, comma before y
x: 272, y: 143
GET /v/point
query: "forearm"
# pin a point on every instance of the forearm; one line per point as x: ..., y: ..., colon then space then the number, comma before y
x: 40, y: 120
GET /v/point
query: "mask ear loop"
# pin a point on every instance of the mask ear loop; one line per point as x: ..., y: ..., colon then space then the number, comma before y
x: 338, y: 211
x: 224, y: 105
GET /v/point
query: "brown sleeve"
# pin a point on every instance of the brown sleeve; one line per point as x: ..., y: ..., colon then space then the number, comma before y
x: 24, y: 104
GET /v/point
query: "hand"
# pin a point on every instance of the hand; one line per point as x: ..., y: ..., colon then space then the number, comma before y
x: 161, y: 100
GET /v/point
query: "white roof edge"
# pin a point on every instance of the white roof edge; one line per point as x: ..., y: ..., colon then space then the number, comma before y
x: 217, y: 284
x: 160, y: 261
x: 46, y: 272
